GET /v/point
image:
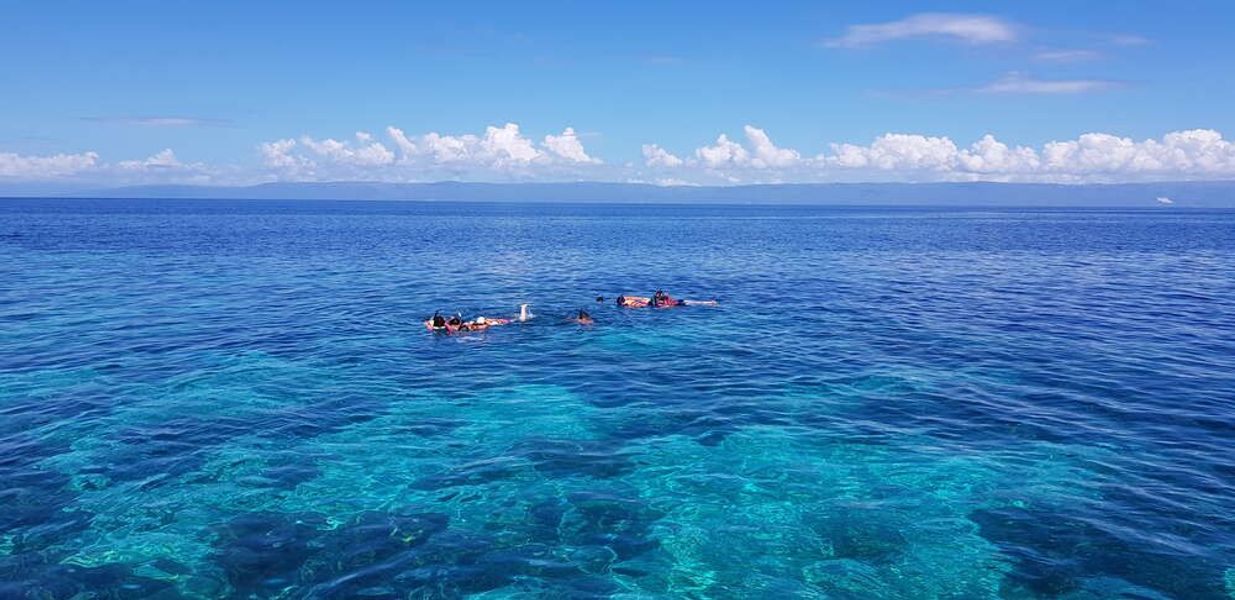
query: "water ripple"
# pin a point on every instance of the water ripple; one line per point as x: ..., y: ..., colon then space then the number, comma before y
x: 204, y: 399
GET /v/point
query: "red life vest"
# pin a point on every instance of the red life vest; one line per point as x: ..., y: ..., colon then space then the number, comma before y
x: 668, y: 302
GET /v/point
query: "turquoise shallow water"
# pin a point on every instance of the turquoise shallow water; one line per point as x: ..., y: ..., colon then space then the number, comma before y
x: 209, y: 399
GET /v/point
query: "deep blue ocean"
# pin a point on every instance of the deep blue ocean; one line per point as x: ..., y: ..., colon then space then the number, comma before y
x: 208, y: 399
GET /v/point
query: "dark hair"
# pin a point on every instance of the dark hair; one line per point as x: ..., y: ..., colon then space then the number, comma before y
x: 438, y: 320
x: 600, y: 298
x: 621, y: 300
x: 583, y: 314
x: 455, y: 320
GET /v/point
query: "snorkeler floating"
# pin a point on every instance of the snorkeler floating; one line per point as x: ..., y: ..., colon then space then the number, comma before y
x: 439, y: 324
x: 659, y: 300
x: 455, y: 324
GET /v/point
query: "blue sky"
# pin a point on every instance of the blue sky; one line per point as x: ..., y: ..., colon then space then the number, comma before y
x: 110, y: 88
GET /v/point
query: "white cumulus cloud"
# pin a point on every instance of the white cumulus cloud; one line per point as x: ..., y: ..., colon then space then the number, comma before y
x: 989, y: 155
x: 363, y: 153
x: 765, y: 153
x: 967, y: 28
x: 87, y: 167
x: 724, y: 153
x: 279, y: 154
x: 655, y: 156
x: 160, y: 167
x: 20, y: 166
x: 762, y: 153
x: 500, y: 147
x: 449, y: 148
x: 407, y: 148
x: 501, y: 152
x: 164, y: 159
x: 1192, y: 152
x: 506, y: 145
x: 504, y: 153
x: 897, y: 151
x: 568, y: 146
x: 1091, y: 157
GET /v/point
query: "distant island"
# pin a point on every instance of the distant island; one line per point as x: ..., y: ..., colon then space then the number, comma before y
x: 1190, y: 194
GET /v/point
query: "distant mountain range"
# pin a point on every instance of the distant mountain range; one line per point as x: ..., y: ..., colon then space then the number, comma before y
x: 1205, y: 194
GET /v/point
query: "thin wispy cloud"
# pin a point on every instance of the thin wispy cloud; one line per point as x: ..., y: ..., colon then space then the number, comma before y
x: 966, y: 28
x: 1016, y: 83
x: 1128, y: 40
x: 160, y: 121
x: 31, y: 139
x: 665, y: 60
x: 1067, y: 56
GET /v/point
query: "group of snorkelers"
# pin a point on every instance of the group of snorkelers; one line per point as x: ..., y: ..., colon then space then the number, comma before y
x: 455, y: 324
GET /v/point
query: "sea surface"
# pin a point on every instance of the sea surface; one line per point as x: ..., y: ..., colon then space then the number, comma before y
x: 208, y: 399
